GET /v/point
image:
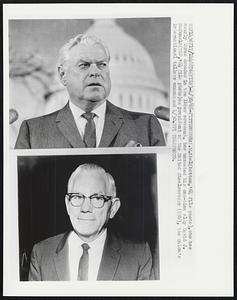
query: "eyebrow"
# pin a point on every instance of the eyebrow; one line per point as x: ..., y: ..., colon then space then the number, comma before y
x: 90, y: 61
x: 95, y: 194
x: 83, y: 61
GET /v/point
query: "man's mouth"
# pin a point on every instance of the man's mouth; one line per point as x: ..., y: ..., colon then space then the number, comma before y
x: 85, y: 219
x: 94, y: 84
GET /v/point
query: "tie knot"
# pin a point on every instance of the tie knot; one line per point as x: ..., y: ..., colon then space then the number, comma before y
x: 89, y: 116
x: 85, y: 247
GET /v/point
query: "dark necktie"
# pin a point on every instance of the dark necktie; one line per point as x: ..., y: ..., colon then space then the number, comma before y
x: 90, y: 134
x: 83, y: 263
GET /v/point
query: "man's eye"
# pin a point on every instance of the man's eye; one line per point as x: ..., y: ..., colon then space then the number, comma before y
x: 77, y: 197
x: 84, y: 65
x: 98, y: 198
x: 102, y: 65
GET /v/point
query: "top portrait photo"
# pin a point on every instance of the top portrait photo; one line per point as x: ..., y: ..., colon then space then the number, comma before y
x: 87, y: 83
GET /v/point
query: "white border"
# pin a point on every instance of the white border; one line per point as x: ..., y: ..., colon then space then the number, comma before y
x: 213, y: 274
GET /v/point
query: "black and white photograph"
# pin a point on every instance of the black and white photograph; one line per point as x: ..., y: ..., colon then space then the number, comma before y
x: 77, y: 83
x: 88, y: 217
x: 114, y: 150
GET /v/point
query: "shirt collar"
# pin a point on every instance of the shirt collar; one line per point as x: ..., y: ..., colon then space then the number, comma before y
x: 94, y: 244
x: 77, y: 111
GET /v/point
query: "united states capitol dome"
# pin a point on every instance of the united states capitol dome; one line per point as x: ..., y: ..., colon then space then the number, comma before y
x: 135, y: 85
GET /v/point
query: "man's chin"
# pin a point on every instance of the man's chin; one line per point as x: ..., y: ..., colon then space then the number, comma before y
x: 85, y: 228
x: 87, y: 236
x: 95, y: 98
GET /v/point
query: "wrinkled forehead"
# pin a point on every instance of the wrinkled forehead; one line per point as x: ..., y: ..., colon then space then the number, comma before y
x: 94, y: 51
x: 89, y: 182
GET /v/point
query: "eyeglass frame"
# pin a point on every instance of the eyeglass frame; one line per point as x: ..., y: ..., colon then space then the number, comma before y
x: 104, y: 197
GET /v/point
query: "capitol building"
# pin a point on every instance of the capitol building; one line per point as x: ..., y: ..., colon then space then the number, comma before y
x: 135, y: 84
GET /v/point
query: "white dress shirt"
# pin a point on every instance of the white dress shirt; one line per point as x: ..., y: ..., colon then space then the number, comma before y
x: 99, y: 119
x: 95, y: 254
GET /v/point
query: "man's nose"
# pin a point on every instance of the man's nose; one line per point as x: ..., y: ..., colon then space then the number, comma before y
x: 86, y: 205
x: 94, y: 71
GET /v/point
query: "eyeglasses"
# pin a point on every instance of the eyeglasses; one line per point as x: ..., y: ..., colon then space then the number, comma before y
x: 96, y: 200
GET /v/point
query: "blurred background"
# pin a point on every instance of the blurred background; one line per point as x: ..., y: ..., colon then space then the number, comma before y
x: 140, y: 64
x: 42, y: 185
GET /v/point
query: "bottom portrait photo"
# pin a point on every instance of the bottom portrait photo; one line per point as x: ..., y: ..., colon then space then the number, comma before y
x: 88, y: 217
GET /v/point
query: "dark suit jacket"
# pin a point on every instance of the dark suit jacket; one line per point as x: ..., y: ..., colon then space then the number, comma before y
x: 121, y: 260
x: 59, y: 130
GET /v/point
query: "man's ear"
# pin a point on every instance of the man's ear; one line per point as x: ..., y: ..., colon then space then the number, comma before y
x: 67, y: 204
x: 62, y: 75
x: 115, y: 207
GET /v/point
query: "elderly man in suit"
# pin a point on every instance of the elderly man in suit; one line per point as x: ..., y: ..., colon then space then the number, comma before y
x: 90, y: 251
x: 88, y: 119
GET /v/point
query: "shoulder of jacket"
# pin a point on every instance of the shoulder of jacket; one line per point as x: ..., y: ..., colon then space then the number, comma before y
x: 129, y: 112
x: 51, y: 240
x: 42, y: 119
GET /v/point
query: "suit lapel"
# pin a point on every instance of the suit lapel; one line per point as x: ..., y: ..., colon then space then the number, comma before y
x: 61, y: 259
x: 110, y: 259
x: 113, y: 122
x: 67, y: 126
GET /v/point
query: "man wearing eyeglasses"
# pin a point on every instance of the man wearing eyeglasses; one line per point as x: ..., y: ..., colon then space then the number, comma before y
x: 88, y: 119
x: 90, y: 251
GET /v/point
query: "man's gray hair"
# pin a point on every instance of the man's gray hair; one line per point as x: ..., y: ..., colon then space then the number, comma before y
x: 110, y: 183
x: 82, y: 39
